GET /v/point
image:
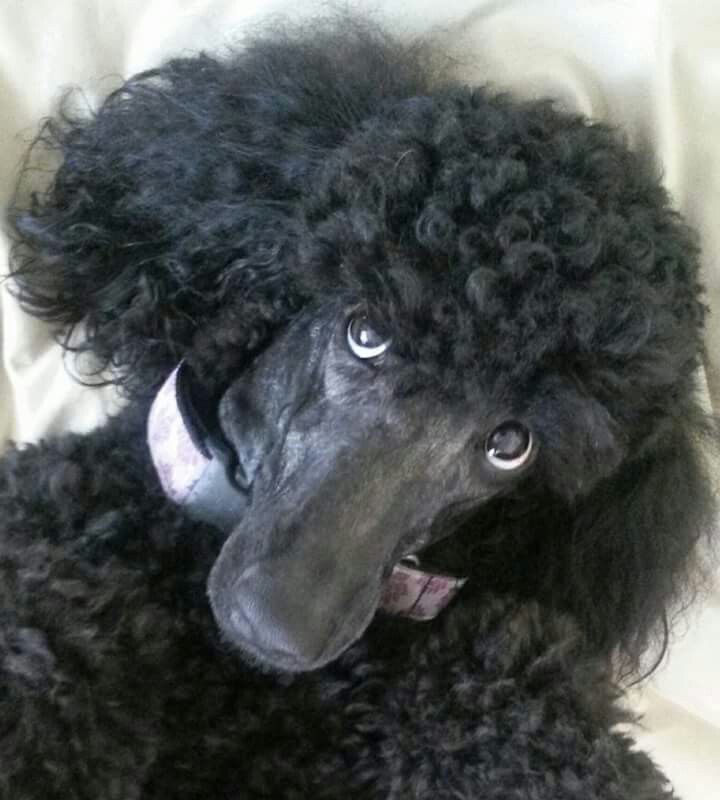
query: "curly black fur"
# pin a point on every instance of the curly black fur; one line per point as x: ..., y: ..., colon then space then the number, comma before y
x: 506, y: 245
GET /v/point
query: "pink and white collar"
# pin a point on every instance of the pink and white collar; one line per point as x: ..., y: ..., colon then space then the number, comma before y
x: 193, y: 475
x: 413, y: 593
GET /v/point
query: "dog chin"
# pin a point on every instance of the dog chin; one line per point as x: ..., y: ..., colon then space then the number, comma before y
x: 275, y: 662
x: 280, y: 662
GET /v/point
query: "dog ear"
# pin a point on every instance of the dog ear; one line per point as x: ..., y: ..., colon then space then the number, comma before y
x: 630, y: 550
x: 189, y: 187
x: 154, y: 220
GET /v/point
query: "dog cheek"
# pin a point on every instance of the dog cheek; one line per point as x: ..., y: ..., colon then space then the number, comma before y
x: 578, y: 445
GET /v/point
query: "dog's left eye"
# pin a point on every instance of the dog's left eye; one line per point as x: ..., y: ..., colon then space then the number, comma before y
x: 509, y: 446
x: 364, y: 340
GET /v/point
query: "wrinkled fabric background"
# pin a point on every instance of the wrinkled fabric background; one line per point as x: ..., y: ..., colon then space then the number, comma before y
x: 652, y: 66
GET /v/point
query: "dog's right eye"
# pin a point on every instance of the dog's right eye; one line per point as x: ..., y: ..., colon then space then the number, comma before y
x: 509, y: 446
x: 364, y: 340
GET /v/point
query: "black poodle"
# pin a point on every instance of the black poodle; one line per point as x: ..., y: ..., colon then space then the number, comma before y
x: 411, y: 467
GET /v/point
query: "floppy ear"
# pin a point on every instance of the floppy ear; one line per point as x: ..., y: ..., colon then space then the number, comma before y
x: 160, y: 213
x: 630, y: 555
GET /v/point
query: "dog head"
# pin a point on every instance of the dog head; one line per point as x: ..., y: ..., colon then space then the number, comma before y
x: 425, y: 319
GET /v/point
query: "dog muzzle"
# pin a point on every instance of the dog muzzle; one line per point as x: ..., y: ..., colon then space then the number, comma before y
x: 195, y: 466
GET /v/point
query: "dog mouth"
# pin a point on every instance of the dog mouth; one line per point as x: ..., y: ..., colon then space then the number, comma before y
x: 280, y: 619
x: 291, y: 589
x: 409, y: 591
x: 292, y: 593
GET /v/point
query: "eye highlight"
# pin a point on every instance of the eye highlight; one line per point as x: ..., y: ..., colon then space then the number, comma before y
x: 509, y: 446
x: 364, y: 340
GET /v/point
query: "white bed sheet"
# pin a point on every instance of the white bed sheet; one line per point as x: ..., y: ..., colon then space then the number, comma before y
x: 652, y: 66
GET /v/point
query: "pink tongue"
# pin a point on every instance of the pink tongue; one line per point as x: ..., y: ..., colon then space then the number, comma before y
x: 418, y: 595
x: 178, y: 462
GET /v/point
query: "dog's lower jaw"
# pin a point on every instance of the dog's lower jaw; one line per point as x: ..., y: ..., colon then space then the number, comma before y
x: 408, y: 592
x: 281, y: 639
x: 279, y: 661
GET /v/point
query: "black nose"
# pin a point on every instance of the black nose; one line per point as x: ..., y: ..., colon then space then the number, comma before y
x: 278, y: 621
